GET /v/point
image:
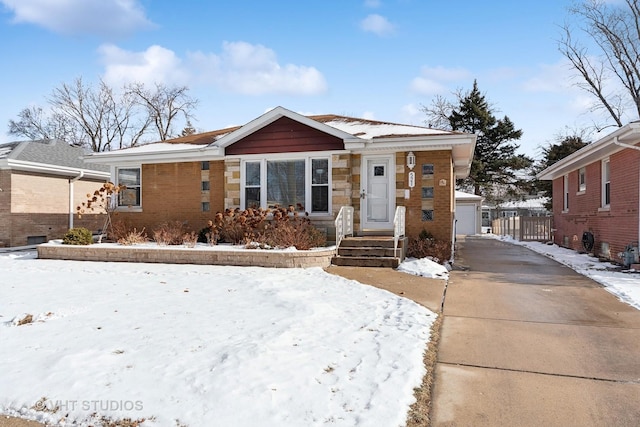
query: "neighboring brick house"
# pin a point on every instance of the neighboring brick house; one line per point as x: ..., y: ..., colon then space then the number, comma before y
x: 316, y: 163
x: 41, y: 184
x: 596, y: 194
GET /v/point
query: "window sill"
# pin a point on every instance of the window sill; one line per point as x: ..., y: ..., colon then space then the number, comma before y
x: 129, y: 209
x: 581, y: 192
x: 604, y: 209
x: 565, y: 211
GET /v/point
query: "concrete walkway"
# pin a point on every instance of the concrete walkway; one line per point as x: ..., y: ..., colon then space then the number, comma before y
x: 526, y: 341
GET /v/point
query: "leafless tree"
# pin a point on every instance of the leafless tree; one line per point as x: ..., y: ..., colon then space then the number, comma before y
x: 163, y: 104
x: 615, y: 30
x: 33, y: 123
x: 102, y: 118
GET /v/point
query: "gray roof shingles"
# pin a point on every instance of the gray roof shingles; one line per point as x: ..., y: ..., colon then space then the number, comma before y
x: 49, y: 152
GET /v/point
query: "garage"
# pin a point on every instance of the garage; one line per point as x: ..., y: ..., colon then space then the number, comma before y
x: 468, y: 213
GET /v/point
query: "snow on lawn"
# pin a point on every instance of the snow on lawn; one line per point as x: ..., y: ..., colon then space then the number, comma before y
x: 196, y: 345
x: 623, y: 284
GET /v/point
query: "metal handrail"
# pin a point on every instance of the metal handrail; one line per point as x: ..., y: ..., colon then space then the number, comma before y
x: 344, y: 223
x: 398, y: 227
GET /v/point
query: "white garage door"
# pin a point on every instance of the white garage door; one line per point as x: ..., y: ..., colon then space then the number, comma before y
x: 466, y: 216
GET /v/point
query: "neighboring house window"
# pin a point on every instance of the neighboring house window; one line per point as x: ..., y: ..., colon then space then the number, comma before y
x: 582, y: 179
x: 565, y: 198
x: 427, y: 192
x: 606, y: 184
x: 427, y: 169
x: 205, y: 207
x: 302, y: 183
x: 427, y: 214
x: 130, y: 177
x: 205, y: 186
x: 204, y: 166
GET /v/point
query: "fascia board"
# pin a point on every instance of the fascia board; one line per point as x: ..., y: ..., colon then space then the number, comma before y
x: 173, y: 156
x: 593, y: 152
x: 25, y: 166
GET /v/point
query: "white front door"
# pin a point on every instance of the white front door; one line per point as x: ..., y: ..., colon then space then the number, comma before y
x: 377, y: 202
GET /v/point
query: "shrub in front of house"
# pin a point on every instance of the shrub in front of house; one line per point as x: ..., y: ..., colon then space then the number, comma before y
x: 291, y: 230
x: 133, y: 237
x: 78, y: 236
x: 263, y: 228
x: 169, y: 233
x: 426, y: 246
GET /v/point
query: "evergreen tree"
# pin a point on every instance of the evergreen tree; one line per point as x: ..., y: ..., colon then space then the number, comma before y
x: 551, y: 154
x: 495, y: 163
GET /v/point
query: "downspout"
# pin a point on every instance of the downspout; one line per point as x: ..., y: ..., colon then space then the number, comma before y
x: 635, y: 147
x: 71, y: 208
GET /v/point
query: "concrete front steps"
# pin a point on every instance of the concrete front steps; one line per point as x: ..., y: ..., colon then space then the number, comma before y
x: 370, y: 251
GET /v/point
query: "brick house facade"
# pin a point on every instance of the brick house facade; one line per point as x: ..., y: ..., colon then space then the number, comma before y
x: 596, y: 190
x: 41, y: 183
x: 315, y: 163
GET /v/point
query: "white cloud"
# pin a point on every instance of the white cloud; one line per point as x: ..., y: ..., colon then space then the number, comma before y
x: 254, y: 70
x: 436, y: 80
x: 154, y: 65
x: 113, y: 18
x: 368, y: 115
x: 373, y: 4
x: 377, y: 24
x: 241, y: 68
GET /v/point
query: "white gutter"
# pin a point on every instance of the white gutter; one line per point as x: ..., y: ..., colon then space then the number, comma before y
x: 71, y: 210
x: 54, y: 169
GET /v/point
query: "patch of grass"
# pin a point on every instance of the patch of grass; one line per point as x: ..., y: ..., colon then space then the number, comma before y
x: 420, y: 412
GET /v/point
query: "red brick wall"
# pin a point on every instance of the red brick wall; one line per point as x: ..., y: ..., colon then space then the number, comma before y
x: 618, y: 225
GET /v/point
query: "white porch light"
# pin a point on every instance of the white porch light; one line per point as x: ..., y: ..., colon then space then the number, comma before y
x: 411, y: 160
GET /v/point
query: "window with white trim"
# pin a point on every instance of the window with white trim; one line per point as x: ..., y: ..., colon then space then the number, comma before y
x: 606, y: 184
x: 582, y: 179
x: 565, y: 190
x: 131, y: 178
x: 303, y: 183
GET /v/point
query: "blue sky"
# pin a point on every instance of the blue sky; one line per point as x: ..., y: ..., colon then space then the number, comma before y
x: 378, y: 59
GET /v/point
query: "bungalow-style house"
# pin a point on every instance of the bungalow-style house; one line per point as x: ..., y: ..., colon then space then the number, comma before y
x: 318, y: 164
x: 596, y: 196
x: 41, y: 183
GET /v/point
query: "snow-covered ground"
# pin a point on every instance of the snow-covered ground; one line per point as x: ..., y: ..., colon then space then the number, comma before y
x: 623, y: 284
x: 205, y: 345
x: 184, y: 345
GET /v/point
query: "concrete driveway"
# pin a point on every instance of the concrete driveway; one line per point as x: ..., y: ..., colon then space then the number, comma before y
x: 528, y: 342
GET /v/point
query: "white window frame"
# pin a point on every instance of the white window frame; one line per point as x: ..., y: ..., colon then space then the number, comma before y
x: 582, y: 180
x: 606, y: 181
x: 565, y: 193
x: 128, y: 208
x: 308, y: 157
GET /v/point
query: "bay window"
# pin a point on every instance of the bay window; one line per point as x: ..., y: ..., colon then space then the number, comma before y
x: 300, y: 182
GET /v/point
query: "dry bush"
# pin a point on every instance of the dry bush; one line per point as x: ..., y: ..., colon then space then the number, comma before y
x: 425, y: 246
x: 259, y: 228
x: 133, y: 237
x: 237, y: 226
x: 190, y: 239
x: 289, y: 230
x: 119, y: 230
x: 169, y: 233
